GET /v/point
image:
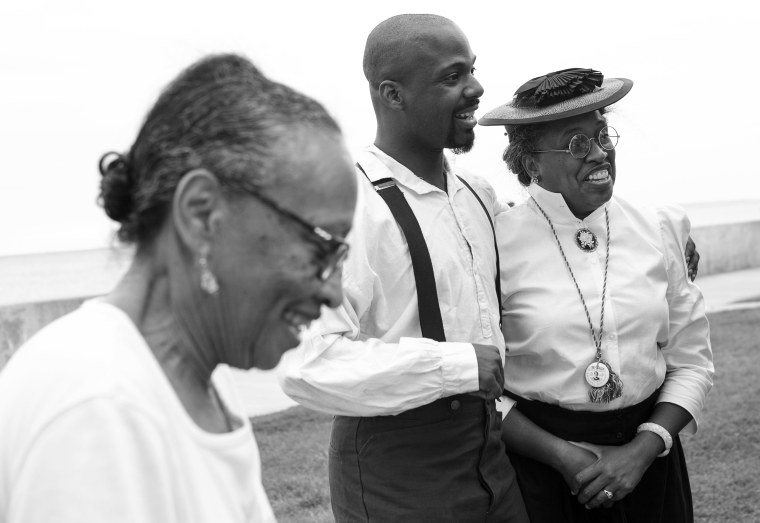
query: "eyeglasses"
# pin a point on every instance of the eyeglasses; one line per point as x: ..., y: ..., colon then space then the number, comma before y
x: 580, y: 144
x: 334, y: 248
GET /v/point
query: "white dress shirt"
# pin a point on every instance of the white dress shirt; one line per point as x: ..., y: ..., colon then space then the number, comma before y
x: 655, y: 328
x: 368, y: 358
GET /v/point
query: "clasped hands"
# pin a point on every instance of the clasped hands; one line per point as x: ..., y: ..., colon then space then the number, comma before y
x: 600, y: 475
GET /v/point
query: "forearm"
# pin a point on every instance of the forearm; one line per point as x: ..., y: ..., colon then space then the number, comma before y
x: 620, y: 468
x: 337, y: 375
x: 524, y: 437
x: 669, y: 416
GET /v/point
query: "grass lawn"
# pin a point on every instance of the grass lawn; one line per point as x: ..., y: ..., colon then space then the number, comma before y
x: 723, y: 458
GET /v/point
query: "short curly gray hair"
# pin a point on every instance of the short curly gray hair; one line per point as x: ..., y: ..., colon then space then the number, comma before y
x: 523, y: 140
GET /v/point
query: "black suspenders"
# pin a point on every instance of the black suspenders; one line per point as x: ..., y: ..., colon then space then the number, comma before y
x: 431, y: 323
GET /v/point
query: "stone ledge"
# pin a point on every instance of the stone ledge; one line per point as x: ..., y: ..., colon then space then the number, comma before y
x: 39, y: 288
x: 727, y: 247
x: 19, y: 322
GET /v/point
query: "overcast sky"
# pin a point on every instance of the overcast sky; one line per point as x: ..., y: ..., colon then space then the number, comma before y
x: 78, y: 76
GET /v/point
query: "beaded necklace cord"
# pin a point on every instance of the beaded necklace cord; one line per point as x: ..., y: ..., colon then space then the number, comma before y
x: 612, y: 388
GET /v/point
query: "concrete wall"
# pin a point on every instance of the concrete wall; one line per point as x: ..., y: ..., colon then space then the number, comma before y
x: 722, y: 248
x: 19, y: 322
x: 727, y: 247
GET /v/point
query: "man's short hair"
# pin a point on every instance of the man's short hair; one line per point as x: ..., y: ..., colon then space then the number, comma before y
x: 390, y: 42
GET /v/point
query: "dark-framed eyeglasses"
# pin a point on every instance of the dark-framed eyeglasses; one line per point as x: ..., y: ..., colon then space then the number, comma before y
x: 334, y: 248
x: 580, y: 144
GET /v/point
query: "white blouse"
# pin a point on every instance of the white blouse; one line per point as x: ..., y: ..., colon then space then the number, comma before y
x: 655, y: 329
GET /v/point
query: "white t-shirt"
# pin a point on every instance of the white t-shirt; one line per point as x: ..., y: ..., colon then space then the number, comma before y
x: 92, y: 431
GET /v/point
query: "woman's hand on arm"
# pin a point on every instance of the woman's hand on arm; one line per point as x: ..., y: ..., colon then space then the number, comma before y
x: 619, y: 469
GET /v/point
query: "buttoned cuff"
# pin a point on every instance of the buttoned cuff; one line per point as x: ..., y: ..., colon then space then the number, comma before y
x: 459, y: 367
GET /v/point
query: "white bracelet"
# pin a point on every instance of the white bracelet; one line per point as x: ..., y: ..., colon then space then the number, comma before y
x: 660, y: 431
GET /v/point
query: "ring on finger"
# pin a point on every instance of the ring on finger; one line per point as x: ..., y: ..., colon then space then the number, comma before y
x: 608, y: 493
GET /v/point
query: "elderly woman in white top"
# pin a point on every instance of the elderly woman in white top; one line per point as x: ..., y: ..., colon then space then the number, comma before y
x: 236, y: 193
x: 608, y: 343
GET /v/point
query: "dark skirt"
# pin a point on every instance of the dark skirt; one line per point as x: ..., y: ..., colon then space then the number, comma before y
x: 662, y: 495
x: 443, y: 462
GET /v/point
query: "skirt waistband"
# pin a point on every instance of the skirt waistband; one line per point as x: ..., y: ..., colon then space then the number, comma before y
x: 614, y: 427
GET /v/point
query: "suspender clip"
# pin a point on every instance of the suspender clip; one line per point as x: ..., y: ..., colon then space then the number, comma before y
x: 384, y: 185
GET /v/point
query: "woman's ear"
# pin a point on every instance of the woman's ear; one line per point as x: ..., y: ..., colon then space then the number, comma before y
x: 391, y: 95
x: 197, y: 207
x: 531, y: 165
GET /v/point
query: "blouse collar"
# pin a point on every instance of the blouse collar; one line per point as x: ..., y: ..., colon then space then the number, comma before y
x: 555, y: 206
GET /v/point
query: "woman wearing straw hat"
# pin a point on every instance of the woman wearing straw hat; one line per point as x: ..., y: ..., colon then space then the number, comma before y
x: 607, y: 336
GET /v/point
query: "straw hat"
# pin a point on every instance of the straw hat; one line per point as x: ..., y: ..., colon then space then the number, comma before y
x: 558, y: 95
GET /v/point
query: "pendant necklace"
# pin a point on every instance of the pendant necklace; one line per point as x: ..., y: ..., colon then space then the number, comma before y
x: 605, y: 383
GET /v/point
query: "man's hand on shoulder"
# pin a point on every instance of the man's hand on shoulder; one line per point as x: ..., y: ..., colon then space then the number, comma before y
x: 490, y: 371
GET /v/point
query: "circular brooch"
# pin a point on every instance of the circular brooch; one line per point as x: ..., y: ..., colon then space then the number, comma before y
x: 586, y: 240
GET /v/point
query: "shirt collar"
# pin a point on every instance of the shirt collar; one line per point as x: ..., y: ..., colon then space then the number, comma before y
x: 554, y: 205
x: 407, y: 178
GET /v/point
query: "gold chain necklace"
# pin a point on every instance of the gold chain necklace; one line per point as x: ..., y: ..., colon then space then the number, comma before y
x: 605, y: 384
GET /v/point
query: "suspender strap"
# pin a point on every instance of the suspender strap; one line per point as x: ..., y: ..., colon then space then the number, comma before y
x: 495, y: 245
x: 431, y: 323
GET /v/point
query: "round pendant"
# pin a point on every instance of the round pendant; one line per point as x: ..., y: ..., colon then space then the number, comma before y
x: 586, y: 240
x: 597, y: 374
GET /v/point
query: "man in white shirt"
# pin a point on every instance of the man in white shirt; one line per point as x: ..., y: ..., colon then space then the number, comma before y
x: 416, y: 436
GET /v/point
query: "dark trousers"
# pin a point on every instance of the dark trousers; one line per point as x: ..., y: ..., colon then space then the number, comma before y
x: 443, y: 462
x: 663, y: 494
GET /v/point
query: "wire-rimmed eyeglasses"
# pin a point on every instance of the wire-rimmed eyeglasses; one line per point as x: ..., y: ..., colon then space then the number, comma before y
x: 580, y: 144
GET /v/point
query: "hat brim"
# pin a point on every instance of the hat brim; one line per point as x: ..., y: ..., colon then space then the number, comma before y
x: 611, y: 90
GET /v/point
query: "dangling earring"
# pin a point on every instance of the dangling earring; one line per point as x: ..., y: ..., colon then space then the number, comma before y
x: 208, y: 280
x: 535, y: 179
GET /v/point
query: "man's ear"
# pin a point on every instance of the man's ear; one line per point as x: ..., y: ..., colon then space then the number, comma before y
x: 391, y: 95
x: 197, y: 207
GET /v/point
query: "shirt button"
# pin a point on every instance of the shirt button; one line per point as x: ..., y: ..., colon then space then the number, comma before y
x: 455, y: 405
x: 619, y: 435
